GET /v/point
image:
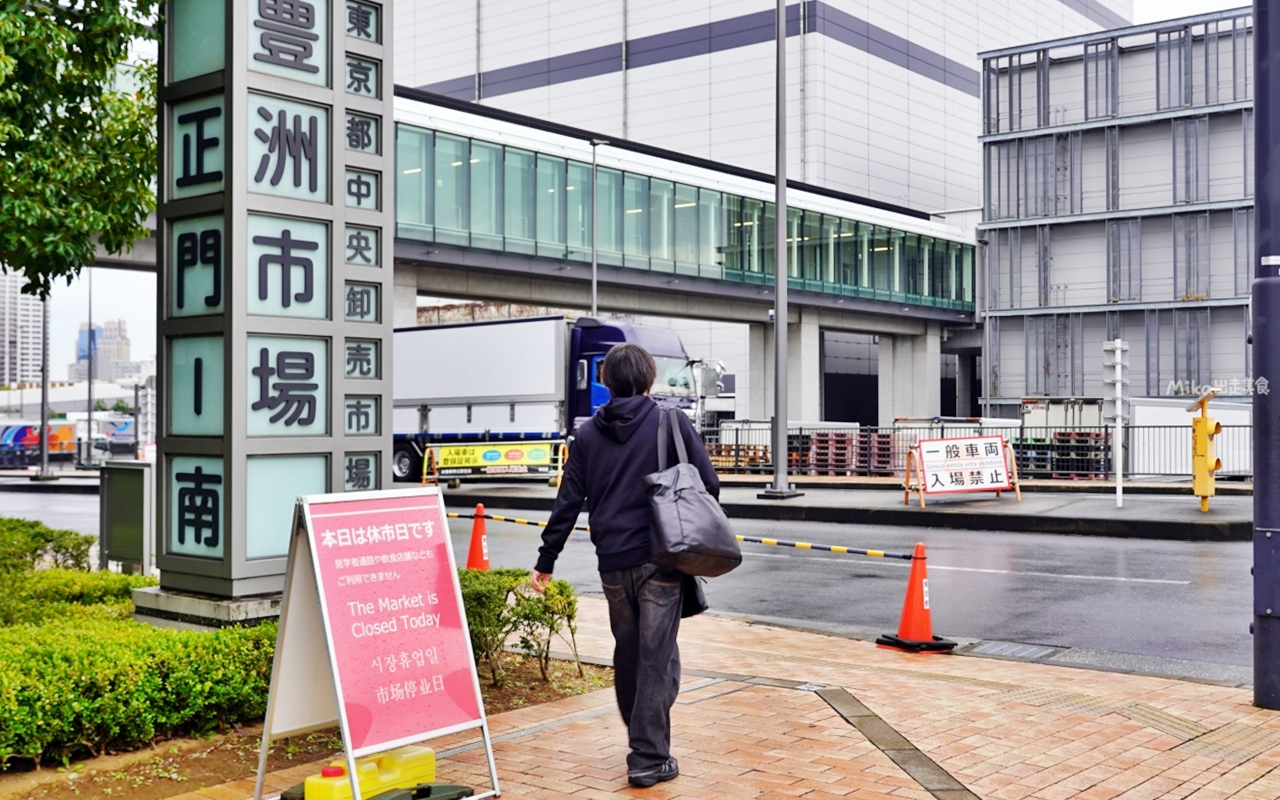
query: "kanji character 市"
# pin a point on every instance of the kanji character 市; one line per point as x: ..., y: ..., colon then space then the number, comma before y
x: 287, y: 262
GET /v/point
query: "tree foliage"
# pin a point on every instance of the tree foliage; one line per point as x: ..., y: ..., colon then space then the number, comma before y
x: 77, y: 151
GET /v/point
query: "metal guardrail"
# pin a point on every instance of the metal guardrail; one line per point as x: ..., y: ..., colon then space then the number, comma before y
x: 1064, y: 453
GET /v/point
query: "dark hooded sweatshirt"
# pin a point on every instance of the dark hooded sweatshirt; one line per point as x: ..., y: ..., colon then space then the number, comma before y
x: 607, y: 464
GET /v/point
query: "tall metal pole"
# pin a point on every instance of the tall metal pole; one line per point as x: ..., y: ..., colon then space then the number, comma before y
x: 93, y: 351
x: 44, y: 396
x: 1266, y: 356
x: 781, y: 487
x: 594, y: 209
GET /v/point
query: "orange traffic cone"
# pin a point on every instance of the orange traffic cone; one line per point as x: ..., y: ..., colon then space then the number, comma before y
x: 478, y: 558
x: 915, y: 629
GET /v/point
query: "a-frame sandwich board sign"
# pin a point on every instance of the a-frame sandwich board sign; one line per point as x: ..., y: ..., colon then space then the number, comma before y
x: 372, y: 585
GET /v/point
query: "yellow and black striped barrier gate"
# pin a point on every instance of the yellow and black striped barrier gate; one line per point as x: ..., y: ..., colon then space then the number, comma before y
x: 516, y: 520
x: 826, y: 548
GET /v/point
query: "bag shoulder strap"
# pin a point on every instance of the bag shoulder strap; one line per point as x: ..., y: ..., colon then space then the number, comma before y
x: 675, y: 433
x: 662, y: 440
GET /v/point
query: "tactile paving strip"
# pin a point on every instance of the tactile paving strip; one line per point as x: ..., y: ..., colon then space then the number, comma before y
x: 1232, y: 742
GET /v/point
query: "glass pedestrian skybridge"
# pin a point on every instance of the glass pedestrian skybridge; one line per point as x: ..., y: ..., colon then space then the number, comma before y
x: 475, y: 177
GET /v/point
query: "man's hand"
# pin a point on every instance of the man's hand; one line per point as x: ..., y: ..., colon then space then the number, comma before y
x: 539, y: 581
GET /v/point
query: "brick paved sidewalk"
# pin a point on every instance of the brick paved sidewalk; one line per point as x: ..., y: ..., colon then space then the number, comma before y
x: 754, y: 721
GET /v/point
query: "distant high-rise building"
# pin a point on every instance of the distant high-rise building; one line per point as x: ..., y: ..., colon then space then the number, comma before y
x: 109, y: 344
x: 21, y: 332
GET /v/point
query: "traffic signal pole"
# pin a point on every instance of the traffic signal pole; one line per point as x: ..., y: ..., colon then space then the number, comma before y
x: 1266, y: 356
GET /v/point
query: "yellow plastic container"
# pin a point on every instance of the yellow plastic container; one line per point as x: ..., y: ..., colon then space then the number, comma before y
x: 395, y: 769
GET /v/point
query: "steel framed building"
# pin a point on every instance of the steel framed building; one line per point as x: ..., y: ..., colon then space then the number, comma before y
x: 1119, y: 203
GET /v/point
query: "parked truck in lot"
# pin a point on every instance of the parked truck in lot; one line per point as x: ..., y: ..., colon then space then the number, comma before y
x: 501, y: 397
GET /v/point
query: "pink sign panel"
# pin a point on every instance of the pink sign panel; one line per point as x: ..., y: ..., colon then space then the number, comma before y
x: 400, y: 650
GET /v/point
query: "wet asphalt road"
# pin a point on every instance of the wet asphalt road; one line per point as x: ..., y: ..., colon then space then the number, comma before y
x: 1179, y: 600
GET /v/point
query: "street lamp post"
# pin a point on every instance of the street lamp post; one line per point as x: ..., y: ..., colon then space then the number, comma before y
x: 594, y: 214
x: 781, y: 488
x: 44, y: 474
x: 92, y: 352
x: 1266, y: 357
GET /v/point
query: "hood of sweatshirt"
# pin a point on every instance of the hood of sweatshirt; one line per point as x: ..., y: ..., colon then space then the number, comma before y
x: 620, y: 418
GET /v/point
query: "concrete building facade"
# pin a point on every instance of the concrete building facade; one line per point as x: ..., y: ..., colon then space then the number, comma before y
x: 1119, y: 204
x: 883, y: 97
x: 21, y: 332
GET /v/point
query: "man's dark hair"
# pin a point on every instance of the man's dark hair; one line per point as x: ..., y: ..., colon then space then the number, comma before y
x: 628, y: 370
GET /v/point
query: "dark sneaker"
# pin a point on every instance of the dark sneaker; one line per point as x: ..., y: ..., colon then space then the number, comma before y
x: 644, y: 778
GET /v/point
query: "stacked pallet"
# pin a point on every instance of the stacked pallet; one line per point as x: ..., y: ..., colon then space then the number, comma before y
x: 1081, y: 455
x: 1034, y: 456
x: 833, y: 453
x: 748, y: 457
x: 877, y: 453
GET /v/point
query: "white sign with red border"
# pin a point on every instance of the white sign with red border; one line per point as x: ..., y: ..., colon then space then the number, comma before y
x: 372, y: 585
x: 972, y: 464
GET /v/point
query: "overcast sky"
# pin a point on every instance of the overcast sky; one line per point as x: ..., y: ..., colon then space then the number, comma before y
x: 131, y: 295
x: 1156, y: 10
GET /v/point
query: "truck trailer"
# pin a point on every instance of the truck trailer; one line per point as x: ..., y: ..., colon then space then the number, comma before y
x: 501, y: 397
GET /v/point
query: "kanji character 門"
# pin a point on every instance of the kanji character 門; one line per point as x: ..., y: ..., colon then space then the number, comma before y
x: 287, y: 144
x: 360, y: 472
x: 198, y: 507
x: 202, y: 143
x: 202, y: 248
x: 359, y: 246
x: 287, y: 261
x: 296, y: 398
x: 286, y: 36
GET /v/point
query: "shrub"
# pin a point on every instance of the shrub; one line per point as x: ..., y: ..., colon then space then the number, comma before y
x: 89, y: 684
x: 500, y: 603
x: 35, y: 596
x: 25, y: 544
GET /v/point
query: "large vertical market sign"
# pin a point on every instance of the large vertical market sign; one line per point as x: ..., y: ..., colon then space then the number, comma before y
x: 275, y: 216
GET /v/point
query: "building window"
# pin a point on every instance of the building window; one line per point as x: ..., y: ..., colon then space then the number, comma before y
x: 1124, y: 259
x: 1242, y: 230
x: 1004, y: 258
x: 519, y: 192
x: 1191, y: 342
x: 1173, y: 57
x: 1003, y: 180
x: 1246, y: 129
x: 1055, y: 355
x: 1191, y: 256
x: 1100, y: 79
x: 1191, y: 160
x: 1039, y: 173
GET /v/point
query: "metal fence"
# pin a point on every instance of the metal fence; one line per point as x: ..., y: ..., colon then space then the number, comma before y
x: 1160, y: 452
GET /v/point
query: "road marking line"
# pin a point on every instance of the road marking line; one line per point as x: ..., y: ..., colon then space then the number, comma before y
x: 1068, y: 576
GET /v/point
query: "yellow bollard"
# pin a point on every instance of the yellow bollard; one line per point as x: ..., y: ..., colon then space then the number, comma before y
x: 1204, y: 463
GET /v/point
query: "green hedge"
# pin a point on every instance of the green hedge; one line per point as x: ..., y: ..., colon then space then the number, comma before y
x: 25, y: 544
x: 85, y: 685
x: 30, y: 597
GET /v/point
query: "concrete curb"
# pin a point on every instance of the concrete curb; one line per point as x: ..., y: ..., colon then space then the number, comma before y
x: 916, y: 517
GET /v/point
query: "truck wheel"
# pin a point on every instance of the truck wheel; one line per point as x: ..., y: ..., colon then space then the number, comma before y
x: 406, y: 465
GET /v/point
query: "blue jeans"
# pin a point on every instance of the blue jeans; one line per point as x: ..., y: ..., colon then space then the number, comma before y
x: 644, y: 613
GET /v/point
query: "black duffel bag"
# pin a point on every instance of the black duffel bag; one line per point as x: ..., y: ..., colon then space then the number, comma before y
x: 690, y: 531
